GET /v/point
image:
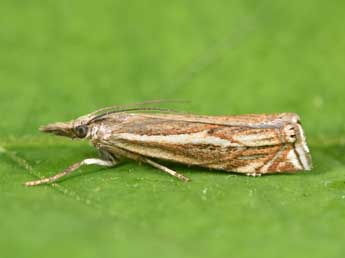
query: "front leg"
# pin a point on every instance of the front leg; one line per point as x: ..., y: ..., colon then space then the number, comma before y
x: 70, y: 169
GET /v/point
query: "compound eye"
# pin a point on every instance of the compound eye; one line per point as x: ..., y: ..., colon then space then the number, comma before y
x: 81, y: 131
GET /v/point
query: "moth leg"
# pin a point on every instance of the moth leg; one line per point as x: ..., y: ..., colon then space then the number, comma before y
x: 70, y: 169
x: 253, y: 174
x: 105, y: 155
x: 165, y: 169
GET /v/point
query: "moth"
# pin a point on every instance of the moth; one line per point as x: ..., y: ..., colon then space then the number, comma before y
x: 254, y: 144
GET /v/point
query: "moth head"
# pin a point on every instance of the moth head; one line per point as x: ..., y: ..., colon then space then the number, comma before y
x: 71, y: 129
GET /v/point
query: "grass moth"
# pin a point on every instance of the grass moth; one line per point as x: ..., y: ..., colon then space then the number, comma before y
x: 251, y: 144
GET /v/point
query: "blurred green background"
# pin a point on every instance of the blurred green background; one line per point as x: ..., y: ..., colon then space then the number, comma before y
x: 61, y: 59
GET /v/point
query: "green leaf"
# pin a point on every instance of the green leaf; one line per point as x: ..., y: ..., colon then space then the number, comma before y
x: 62, y: 59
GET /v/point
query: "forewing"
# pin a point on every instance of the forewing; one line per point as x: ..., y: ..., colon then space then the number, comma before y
x: 237, y: 148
